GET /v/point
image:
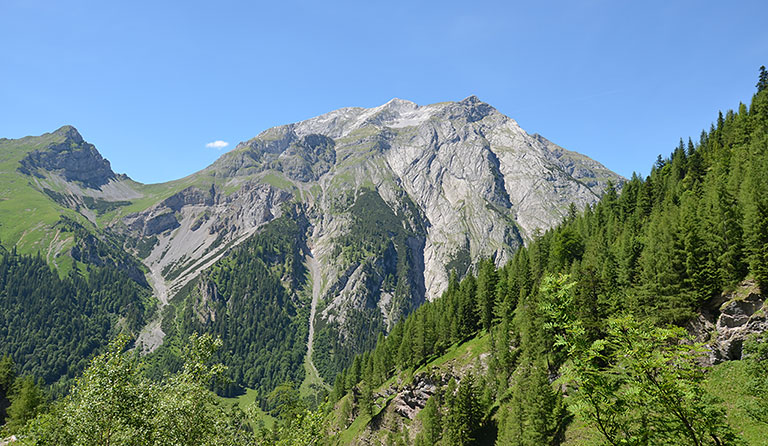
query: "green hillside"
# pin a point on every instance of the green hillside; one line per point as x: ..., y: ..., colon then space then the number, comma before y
x: 660, y: 252
x: 27, y: 215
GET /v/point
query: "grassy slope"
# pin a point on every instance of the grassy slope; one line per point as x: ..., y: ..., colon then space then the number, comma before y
x: 464, y: 356
x: 246, y: 402
x: 726, y: 381
x: 27, y: 215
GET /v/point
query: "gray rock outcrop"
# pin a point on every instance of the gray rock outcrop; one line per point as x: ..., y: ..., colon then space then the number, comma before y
x: 75, y: 159
x: 737, y: 316
x: 740, y: 318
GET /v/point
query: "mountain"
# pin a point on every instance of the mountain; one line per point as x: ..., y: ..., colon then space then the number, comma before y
x: 641, y: 320
x: 386, y: 203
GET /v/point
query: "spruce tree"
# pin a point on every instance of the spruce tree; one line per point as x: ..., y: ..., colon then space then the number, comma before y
x: 762, y: 82
x: 535, y: 413
x: 7, y: 377
x: 27, y: 401
x: 464, y: 414
x: 431, y: 422
x: 756, y: 221
x: 487, y: 279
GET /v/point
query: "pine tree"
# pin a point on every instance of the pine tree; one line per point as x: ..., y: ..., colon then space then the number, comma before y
x: 431, y: 422
x: 700, y: 264
x: 464, y: 414
x: 467, y: 317
x: 365, y: 399
x: 756, y: 219
x: 762, y: 82
x: 487, y: 279
x: 7, y: 377
x: 535, y: 413
x: 27, y: 401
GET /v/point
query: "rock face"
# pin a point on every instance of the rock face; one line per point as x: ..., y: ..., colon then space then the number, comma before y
x: 740, y: 317
x: 737, y: 316
x: 410, y: 400
x: 75, y: 159
x: 189, y: 230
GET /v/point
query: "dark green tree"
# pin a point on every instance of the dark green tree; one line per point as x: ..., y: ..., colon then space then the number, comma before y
x: 27, y: 401
x: 7, y: 377
x: 535, y: 413
x: 756, y: 219
x: 431, y: 422
x: 487, y: 279
x: 762, y: 82
x: 462, y: 421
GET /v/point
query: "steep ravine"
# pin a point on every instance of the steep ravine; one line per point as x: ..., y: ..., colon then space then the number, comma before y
x: 317, y: 284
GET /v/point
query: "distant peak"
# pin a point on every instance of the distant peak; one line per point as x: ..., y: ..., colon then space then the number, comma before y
x: 398, y: 101
x: 70, y: 133
x: 475, y: 108
x: 471, y: 100
x: 400, y: 104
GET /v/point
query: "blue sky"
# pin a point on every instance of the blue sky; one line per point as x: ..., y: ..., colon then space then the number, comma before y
x: 151, y: 83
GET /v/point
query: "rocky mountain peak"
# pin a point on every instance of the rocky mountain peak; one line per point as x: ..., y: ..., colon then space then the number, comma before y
x: 399, y: 105
x: 71, y: 157
x: 69, y: 133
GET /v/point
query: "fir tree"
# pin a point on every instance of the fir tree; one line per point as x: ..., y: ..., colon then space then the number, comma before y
x: 762, y: 82
x: 487, y: 279
x: 535, y: 413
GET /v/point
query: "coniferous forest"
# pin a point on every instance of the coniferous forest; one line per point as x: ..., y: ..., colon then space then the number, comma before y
x: 587, y: 330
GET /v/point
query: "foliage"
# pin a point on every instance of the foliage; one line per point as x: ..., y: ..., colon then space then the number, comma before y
x: 638, y: 385
x: 51, y: 325
x: 113, y: 403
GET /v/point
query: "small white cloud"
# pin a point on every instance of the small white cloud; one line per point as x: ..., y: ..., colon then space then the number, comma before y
x: 218, y: 145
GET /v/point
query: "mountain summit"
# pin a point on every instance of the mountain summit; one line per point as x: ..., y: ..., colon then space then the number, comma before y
x: 482, y: 183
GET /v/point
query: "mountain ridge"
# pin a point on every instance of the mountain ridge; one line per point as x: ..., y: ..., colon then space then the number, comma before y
x: 453, y: 182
